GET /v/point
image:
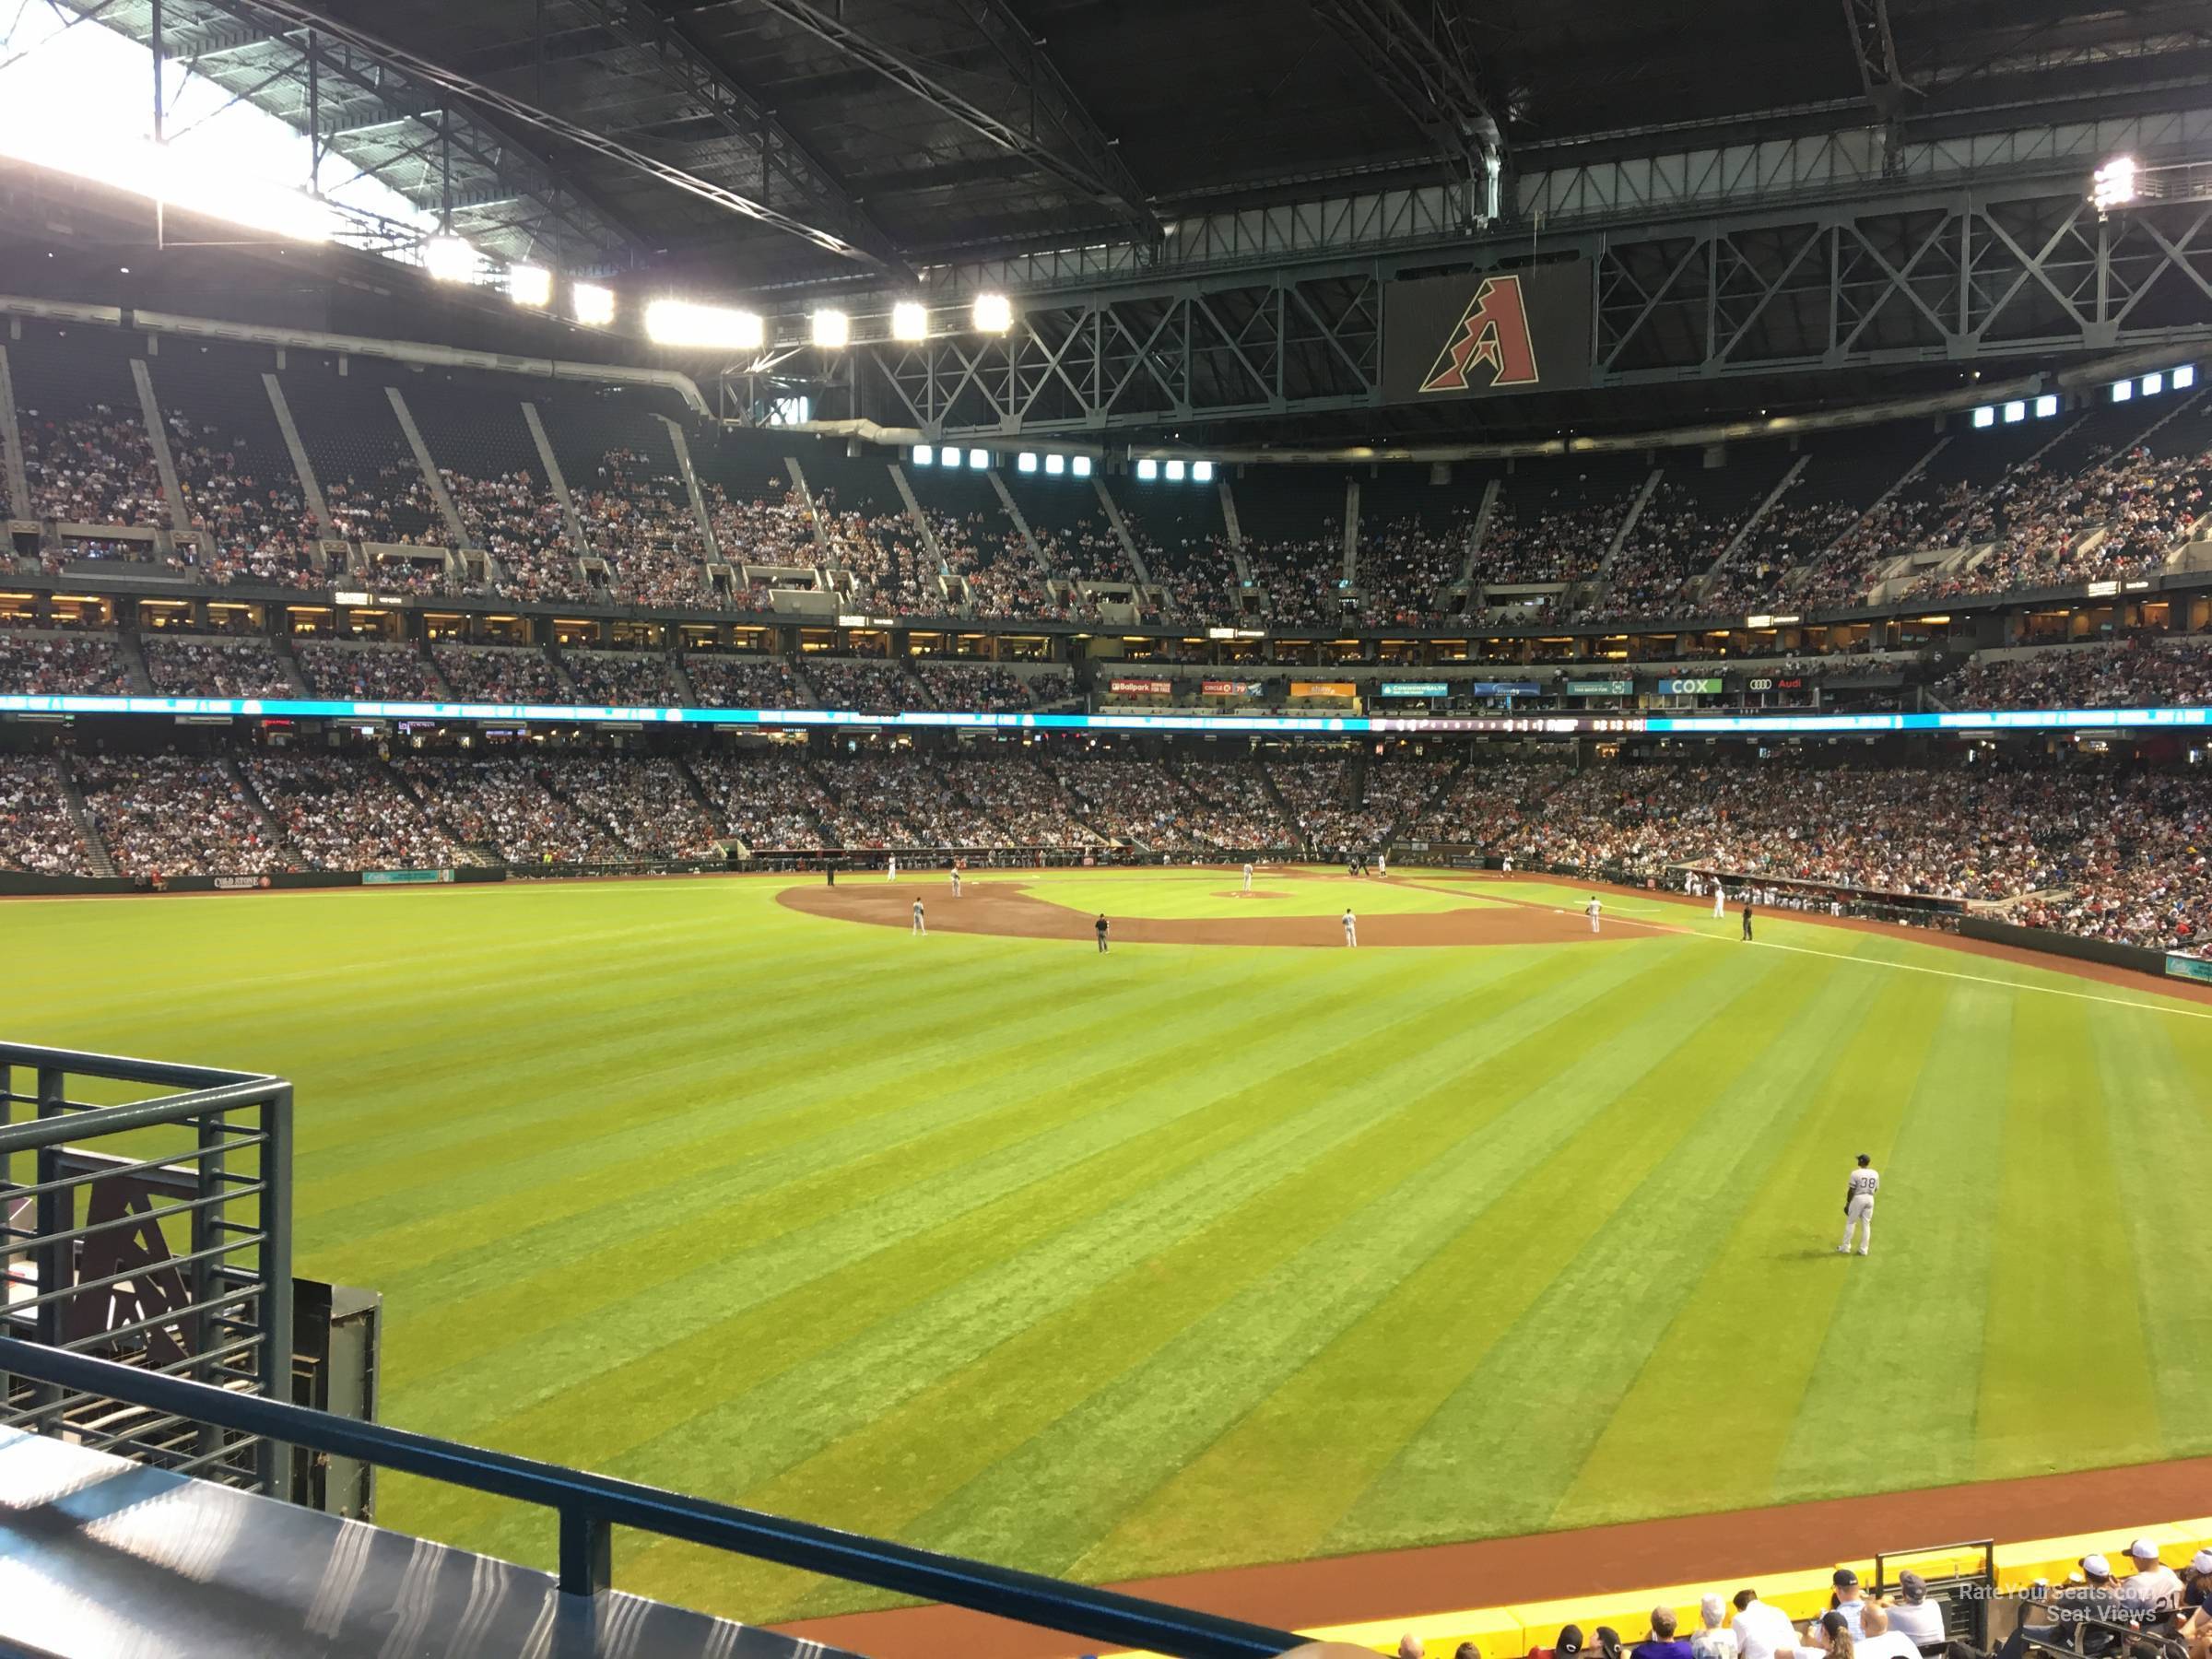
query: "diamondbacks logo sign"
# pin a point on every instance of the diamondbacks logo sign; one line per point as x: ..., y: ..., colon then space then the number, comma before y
x: 1490, y: 347
x: 1483, y: 334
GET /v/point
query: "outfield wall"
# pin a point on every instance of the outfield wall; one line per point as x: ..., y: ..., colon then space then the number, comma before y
x: 1511, y: 1632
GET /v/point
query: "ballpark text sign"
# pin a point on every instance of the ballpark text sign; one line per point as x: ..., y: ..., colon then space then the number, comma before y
x: 1482, y: 335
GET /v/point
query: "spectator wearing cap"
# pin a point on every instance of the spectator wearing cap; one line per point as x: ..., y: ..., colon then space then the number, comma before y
x: 1663, y: 1642
x: 1762, y: 1629
x: 1606, y: 1644
x: 1570, y: 1643
x: 2153, y: 1587
x: 1882, y: 1639
x: 2196, y: 1583
x: 2093, y: 1602
x: 1849, y: 1601
x: 1713, y: 1639
x: 1912, y: 1614
x: 1832, y: 1632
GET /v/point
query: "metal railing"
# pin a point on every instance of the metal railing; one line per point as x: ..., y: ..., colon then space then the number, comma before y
x: 156, y: 1231
x: 590, y: 1506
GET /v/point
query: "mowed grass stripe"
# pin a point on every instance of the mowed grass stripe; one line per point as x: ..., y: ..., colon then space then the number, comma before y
x: 1533, y: 1398
x: 2063, y: 1357
x: 1904, y: 1340
x: 1329, y: 1432
x: 909, y: 1062
x: 858, y: 1191
x: 1145, y: 1425
x: 798, y: 1303
x: 1717, y: 1397
x: 2157, y: 1112
x: 1172, y: 1298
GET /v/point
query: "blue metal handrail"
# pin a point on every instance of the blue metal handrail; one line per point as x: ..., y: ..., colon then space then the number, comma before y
x: 590, y: 1506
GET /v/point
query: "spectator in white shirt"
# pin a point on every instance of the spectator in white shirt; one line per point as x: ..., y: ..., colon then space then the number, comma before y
x: 1882, y: 1639
x: 1912, y: 1614
x: 1762, y: 1631
x: 2153, y: 1584
x: 1849, y: 1601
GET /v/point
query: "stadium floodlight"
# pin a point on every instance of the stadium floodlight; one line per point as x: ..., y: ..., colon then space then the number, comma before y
x: 2015, y: 410
x: 991, y: 313
x: 1148, y: 470
x: 449, y: 259
x: 1082, y: 465
x: 681, y: 322
x: 2153, y: 384
x: 2184, y: 377
x: 831, y: 328
x: 592, y: 305
x: 1202, y: 472
x: 979, y: 460
x: 1026, y: 461
x: 950, y: 455
x: 2123, y: 390
x: 910, y: 321
x: 1987, y: 415
x: 2114, y: 184
x: 924, y: 455
x: 1055, y: 464
x: 1175, y: 471
x: 530, y: 284
x: 2046, y: 405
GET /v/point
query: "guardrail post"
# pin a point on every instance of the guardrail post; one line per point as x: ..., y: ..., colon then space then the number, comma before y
x: 587, y: 1553
x: 271, y: 1462
x: 206, y: 1270
x: 53, y: 1209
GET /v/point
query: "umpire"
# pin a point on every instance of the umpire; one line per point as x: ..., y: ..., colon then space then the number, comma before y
x: 1747, y: 917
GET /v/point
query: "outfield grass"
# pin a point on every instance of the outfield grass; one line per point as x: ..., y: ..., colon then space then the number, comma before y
x: 1188, y: 1255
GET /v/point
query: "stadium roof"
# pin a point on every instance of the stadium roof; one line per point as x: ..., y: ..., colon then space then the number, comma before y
x: 733, y: 144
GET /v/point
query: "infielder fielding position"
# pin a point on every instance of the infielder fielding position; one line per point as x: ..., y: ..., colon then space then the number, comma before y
x: 1351, y: 927
x: 1858, y: 1206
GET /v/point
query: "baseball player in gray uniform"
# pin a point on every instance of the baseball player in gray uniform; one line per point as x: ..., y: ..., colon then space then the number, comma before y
x: 1858, y: 1206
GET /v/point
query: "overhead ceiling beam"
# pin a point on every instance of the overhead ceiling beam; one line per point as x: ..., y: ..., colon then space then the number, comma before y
x: 735, y: 108
x: 1082, y: 156
x: 1874, y: 49
x: 1426, y: 76
x: 298, y: 14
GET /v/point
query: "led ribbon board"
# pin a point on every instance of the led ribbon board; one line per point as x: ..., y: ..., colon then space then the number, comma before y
x: 291, y: 708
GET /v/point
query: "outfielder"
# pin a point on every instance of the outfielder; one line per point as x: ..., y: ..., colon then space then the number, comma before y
x: 1858, y: 1206
x: 1351, y: 927
x: 920, y: 925
x: 1590, y: 910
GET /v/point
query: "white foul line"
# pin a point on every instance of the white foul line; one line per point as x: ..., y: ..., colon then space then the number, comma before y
x: 1980, y: 979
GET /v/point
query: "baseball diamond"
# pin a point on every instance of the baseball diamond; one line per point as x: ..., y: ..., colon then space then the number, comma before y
x: 698, y: 1181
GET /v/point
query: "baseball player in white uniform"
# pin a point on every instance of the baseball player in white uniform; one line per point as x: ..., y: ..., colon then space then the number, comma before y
x: 920, y: 926
x: 956, y: 881
x: 1351, y: 927
x: 1508, y: 865
x: 1248, y: 877
x: 1858, y: 1206
x: 1590, y: 910
x: 1382, y: 864
x: 891, y: 870
x: 1719, y: 901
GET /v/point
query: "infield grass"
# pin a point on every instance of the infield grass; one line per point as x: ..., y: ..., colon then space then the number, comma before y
x: 1190, y: 1256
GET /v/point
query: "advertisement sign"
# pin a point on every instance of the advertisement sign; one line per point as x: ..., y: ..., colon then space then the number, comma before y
x: 1502, y: 688
x: 1479, y: 335
x: 2190, y: 968
x: 1229, y: 688
x: 1688, y: 688
x: 403, y: 878
x: 1141, y: 687
x: 1601, y: 688
x: 1324, y: 688
x: 1416, y: 688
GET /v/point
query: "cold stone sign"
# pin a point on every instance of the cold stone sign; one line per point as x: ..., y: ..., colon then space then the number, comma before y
x: 1480, y: 336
